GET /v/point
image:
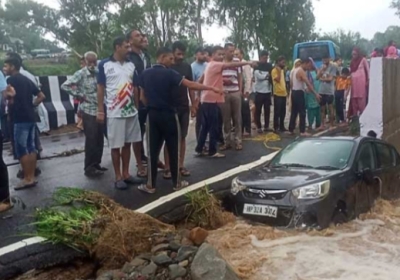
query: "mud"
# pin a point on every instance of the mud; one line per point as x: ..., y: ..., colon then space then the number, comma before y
x: 367, y: 249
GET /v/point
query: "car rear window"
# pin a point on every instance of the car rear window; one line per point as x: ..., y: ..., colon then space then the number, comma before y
x: 316, y: 153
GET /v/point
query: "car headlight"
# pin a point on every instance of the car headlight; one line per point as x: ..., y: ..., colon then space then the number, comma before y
x: 313, y: 191
x: 237, y: 186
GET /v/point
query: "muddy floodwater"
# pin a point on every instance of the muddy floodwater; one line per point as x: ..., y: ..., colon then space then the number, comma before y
x: 365, y: 249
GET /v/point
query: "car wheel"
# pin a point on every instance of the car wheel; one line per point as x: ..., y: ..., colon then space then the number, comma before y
x: 341, y: 214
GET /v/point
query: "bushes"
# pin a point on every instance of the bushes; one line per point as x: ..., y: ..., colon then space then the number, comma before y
x: 51, y: 68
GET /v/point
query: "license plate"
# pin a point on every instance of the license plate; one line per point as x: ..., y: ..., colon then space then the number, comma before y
x: 260, y: 210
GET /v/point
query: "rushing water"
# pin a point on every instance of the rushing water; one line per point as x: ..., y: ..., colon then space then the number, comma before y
x: 365, y: 249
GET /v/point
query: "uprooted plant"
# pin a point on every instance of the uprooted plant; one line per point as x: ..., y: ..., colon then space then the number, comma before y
x: 205, y: 210
x: 92, y: 222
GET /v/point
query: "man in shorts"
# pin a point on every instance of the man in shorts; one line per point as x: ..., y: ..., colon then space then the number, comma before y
x: 20, y: 91
x: 115, y: 81
x: 327, y: 76
x: 180, y: 95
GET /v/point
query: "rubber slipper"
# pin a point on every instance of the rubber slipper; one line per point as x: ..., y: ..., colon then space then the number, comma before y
x: 22, y: 186
x: 142, y: 174
x: 218, y: 155
x: 133, y: 180
x: 184, y: 172
x: 121, y: 185
x: 145, y: 189
x: 181, y: 185
x: 167, y: 174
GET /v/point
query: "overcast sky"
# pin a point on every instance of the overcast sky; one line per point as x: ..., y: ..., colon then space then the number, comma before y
x: 364, y: 16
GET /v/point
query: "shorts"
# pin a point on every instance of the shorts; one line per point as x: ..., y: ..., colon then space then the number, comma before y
x: 326, y: 99
x: 24, y: 139
x: 184, y: 118
x: 121, y: 131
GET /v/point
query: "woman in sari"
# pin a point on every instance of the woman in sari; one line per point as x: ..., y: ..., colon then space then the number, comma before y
x: 359, y: 68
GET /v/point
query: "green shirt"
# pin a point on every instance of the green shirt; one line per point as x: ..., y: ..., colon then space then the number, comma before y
x: 83, y: 84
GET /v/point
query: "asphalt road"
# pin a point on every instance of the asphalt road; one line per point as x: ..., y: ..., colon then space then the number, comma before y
x: 68, y: 171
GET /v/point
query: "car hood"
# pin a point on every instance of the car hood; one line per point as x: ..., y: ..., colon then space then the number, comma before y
x: 283, y: 178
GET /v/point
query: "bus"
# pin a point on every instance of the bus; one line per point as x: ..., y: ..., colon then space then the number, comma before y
x: 316, y: 50
x: 40, y: 53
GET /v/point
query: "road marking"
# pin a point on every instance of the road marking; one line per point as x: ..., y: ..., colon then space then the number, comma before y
x: 199, y: 185
x: 21, y: 244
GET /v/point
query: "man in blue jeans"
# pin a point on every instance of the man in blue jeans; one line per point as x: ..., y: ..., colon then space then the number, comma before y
x: 20, y: 91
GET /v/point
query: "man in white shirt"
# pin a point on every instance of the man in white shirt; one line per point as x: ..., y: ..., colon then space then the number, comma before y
x: 116, y: 83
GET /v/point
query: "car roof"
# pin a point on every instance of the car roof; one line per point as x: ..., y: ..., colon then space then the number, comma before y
x: 357, y: 139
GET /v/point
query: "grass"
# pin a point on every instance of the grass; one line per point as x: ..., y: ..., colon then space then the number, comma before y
x: 64, y: 195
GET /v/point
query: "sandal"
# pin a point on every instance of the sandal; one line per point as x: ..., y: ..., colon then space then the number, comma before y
x: 144, y: 188
x: 225, y: 147
x: 184, y: 172
x: 167, y: 175
x: 23, y: 185
x: 181, y: 185
x: 239, y: 147
x: 202, y: 154
x: 218, y: 155
x: 142, y: 173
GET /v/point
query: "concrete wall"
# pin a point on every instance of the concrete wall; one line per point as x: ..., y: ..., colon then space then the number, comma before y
x: 382, y: 114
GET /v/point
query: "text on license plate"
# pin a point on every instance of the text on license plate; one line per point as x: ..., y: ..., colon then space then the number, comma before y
x: 260, y: 210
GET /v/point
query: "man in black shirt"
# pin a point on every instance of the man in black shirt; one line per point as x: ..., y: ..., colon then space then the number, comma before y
x: 180, y: 96
x: 142, y: 61
x: 20, y: 92
x: 157, y: 86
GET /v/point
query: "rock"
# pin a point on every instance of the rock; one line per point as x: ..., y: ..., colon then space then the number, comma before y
x: 149, y: 270
x: 145, y: 256
x: 186, y: 242
x: 184, y: 233
x: 108, y: 275
x: 119, y: 275
x: 174, y: 246
x: 198, y: 235
x: 131, y: 266
x: 184, y: 263
x: 173, y: 255
x: 160, y: 240
x: 186, y: 252
x: 176, y: 271
x: 162, y: 259
x: 208, y: 264
x: 159, y: 247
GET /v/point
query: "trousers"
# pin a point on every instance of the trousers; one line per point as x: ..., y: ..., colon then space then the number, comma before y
x: 94, y: 140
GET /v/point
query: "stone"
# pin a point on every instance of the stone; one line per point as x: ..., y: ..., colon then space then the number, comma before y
x: 174, y: 246
x: 159, y: 247
x: 108, y: 275
x: 184, y: 263
x: 185, y: 233
x: 186, y: 242
x: 149, y: 270
x: 186, y: 252
x: 131, y: 266
x: 162, y: 259
x: 208, y: 264
x: 160, y: 240
x: 145, y: 256
x: 176, y: 271
x: 198, y: 236
x: 119, y: 275
x: 173, y: 255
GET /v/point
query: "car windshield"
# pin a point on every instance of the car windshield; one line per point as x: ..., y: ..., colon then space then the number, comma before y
x: 324, y: 154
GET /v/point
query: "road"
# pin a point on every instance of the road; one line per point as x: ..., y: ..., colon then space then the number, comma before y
x: 68, y: 171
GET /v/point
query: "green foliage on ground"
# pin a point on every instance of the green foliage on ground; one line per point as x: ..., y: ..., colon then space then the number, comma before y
x: 51, y: 69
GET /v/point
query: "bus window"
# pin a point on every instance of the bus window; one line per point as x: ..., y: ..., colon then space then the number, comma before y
x: 337, y: 51
x: 316, y: 52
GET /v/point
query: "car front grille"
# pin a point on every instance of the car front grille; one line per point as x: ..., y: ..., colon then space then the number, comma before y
x: 264, y: 194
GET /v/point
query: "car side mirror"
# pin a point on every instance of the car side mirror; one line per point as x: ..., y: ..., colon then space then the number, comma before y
x: 367, y: 176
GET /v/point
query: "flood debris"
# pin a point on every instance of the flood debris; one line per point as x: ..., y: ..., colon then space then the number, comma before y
x: 124, y: 244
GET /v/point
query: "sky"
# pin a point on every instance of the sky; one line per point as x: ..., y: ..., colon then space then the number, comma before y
x: 364, y: 16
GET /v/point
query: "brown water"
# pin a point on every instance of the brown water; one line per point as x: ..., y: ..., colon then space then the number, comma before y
x: 365, y: 249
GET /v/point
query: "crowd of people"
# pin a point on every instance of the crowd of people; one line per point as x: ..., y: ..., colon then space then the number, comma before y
x: 125, y: 98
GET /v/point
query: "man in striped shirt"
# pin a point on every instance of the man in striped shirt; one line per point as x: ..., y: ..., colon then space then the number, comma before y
x: 232, y: 108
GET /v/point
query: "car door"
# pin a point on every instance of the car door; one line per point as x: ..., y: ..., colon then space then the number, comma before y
x: 388, y: 170
x: 365, y: 191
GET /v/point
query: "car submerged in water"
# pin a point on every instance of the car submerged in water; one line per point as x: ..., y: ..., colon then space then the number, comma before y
x: 315, y: 181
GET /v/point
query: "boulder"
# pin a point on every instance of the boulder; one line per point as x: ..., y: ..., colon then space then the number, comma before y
x: 176, y: 271
x: 149, y: 270
x: 198, y: 235
x: 208, y: 264
x: 185, y: 252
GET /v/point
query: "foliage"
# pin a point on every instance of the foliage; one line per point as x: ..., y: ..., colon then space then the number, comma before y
x: 51, y: 69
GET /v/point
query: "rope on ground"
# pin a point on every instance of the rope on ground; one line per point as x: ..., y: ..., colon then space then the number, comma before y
x: 267, y: 138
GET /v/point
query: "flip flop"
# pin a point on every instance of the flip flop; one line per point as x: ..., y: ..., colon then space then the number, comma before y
x: 225, y: 147
x: 133, y: 180
x: 145, y: 189
x: 141, y: 174
x: 167, y: 174
x: 184, y: 172
x: 218, y: 155
x: 181, y: 185
x: 23, y: 186
x: 121, y: 185
x: 239, y: 147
